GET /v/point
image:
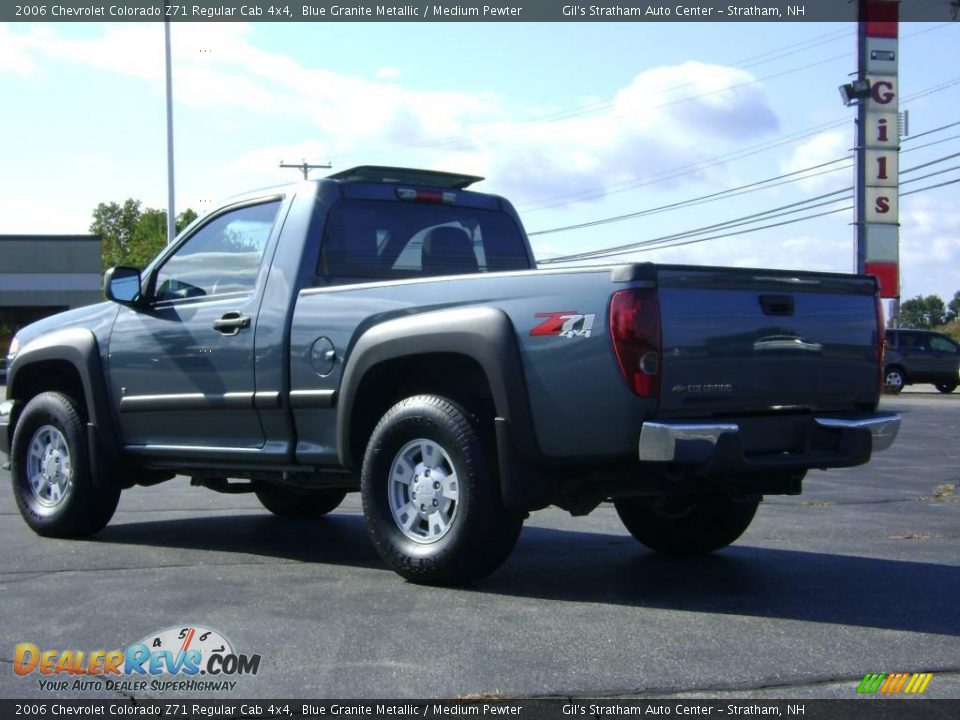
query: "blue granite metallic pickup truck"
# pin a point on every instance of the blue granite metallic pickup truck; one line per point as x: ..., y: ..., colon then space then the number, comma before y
x: 386, y: 331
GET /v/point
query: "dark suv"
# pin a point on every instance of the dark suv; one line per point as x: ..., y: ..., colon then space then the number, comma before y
x: 921, y: 356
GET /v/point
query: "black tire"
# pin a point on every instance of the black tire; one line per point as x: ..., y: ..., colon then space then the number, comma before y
x: 946, y: 388
x: 687, y: 524
x: 894, y: 378
x: 295, y: 504
x: 82, y: 508
x: 479, y: 533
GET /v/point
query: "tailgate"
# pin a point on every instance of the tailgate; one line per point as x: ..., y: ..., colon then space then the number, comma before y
x: 744, y: 340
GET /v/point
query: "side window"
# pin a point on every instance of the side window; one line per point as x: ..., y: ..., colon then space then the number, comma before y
x: 942, y: 345
x: 909, y: 341
x: 221, y: 258
x: 891, y: 339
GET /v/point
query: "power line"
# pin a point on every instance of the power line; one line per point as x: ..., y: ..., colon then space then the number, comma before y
x: 717, y: 237
x: 467, y: 139
x: 773, y: 225
x: 931, y: 132
x: 713, y: 161
x: 783, y: 210
x: 698, y: 200
x: 744, y: 189
x: 593, y: 108
x: 931, y: 187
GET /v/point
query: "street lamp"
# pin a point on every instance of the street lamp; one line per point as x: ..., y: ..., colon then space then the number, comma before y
x: 171, y: 211
x: 854, y: 92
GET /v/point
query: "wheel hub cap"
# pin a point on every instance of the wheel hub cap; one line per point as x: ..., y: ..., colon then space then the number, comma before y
x: 426, y: 490
x: 423, y: 491
x: 49, y: 468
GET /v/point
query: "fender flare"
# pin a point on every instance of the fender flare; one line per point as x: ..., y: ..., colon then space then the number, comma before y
x: 79, y: 348
x: 483, y: 334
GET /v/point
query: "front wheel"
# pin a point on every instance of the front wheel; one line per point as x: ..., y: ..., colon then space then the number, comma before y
x: 687, y: 524
x: 946, y: 388
x: 431, y: 502
x: 52, y: 483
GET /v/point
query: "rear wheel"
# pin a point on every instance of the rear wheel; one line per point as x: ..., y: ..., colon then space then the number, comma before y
x: 895, y: 379
x: 297, y: 504
x: 430, y: 500
x: 50, y: 470
x: 946, y: 388
x: 687, y: 524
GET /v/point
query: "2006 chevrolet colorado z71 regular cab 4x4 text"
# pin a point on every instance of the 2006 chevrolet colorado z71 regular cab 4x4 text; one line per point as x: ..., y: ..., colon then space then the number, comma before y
x: 387, y: 331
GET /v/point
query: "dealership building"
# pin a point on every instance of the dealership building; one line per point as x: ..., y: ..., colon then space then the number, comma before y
x: 44, y: 274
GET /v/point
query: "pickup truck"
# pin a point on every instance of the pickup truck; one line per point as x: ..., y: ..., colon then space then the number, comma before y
x: 387, y: 331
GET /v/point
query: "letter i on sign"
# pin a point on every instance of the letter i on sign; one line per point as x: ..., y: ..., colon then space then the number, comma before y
x: 882, y: 130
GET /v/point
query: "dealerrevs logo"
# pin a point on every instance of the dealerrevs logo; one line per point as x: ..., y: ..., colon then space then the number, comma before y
x: 184, y: 653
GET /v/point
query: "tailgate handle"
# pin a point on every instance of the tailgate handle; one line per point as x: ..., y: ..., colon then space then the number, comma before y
x: 777, y: 304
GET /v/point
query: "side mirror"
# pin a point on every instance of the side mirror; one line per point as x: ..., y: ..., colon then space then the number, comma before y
x: 122, y: 285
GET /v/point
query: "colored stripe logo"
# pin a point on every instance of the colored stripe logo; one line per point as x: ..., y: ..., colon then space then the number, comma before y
x: 894, y: 683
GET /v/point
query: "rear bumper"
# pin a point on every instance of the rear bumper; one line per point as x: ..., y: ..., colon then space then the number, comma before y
x: 826, y: 442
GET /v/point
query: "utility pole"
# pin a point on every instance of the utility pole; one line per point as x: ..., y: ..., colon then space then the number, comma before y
x: 304, y: 167
x: 171, y: 210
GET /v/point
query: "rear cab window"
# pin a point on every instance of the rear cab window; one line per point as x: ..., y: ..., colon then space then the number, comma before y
x: 368, y: 240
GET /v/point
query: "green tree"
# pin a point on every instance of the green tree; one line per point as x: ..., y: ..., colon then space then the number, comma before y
x: 953, y: 309
x: 133, y: 235
x: 923, y: 312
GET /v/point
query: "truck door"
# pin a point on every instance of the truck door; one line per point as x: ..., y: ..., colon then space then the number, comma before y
x: 182, y: 364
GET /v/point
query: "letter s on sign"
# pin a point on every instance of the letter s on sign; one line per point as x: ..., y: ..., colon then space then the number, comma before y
x: 882, y: 92
x: 882, y: 205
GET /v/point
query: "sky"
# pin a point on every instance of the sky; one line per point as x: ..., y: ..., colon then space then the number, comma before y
x: 573, y: 122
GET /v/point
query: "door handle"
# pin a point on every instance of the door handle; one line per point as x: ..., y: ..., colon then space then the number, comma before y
x: 231, y: 323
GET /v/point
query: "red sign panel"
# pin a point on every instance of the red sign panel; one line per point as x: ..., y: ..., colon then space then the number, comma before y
x: 881, y: 18
x: 888, y: 277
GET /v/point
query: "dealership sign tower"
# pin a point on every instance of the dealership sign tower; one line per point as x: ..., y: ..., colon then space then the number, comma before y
x: 878, y: 146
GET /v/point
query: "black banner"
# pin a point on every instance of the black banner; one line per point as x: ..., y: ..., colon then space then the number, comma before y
x: 462, y: 11
x: 853, y: 709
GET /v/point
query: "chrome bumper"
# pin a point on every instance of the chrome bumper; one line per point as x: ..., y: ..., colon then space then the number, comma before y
x: 697, y: 443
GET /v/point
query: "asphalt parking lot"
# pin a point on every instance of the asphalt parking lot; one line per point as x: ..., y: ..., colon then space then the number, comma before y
x: 859, y: 574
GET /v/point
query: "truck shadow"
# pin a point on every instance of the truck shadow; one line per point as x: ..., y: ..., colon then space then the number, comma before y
x: 550, y: 564
x: 338, y: 539
x: 740, y: 580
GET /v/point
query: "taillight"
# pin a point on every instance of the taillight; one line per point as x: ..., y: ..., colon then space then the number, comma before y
x: 426, y: 196
x: 635, y: 332
x: 881, y: 341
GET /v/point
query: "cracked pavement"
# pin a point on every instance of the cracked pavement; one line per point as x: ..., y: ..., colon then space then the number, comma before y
x: 859, y: 574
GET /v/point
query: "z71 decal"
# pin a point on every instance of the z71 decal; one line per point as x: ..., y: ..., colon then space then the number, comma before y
x: 565, y: 324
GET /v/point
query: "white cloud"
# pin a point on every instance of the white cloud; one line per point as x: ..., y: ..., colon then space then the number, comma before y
x: 929, y: 245
x: 387, y: 73
x: 666, y: 117
x: 14, y: 57
x: 820, y: 149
